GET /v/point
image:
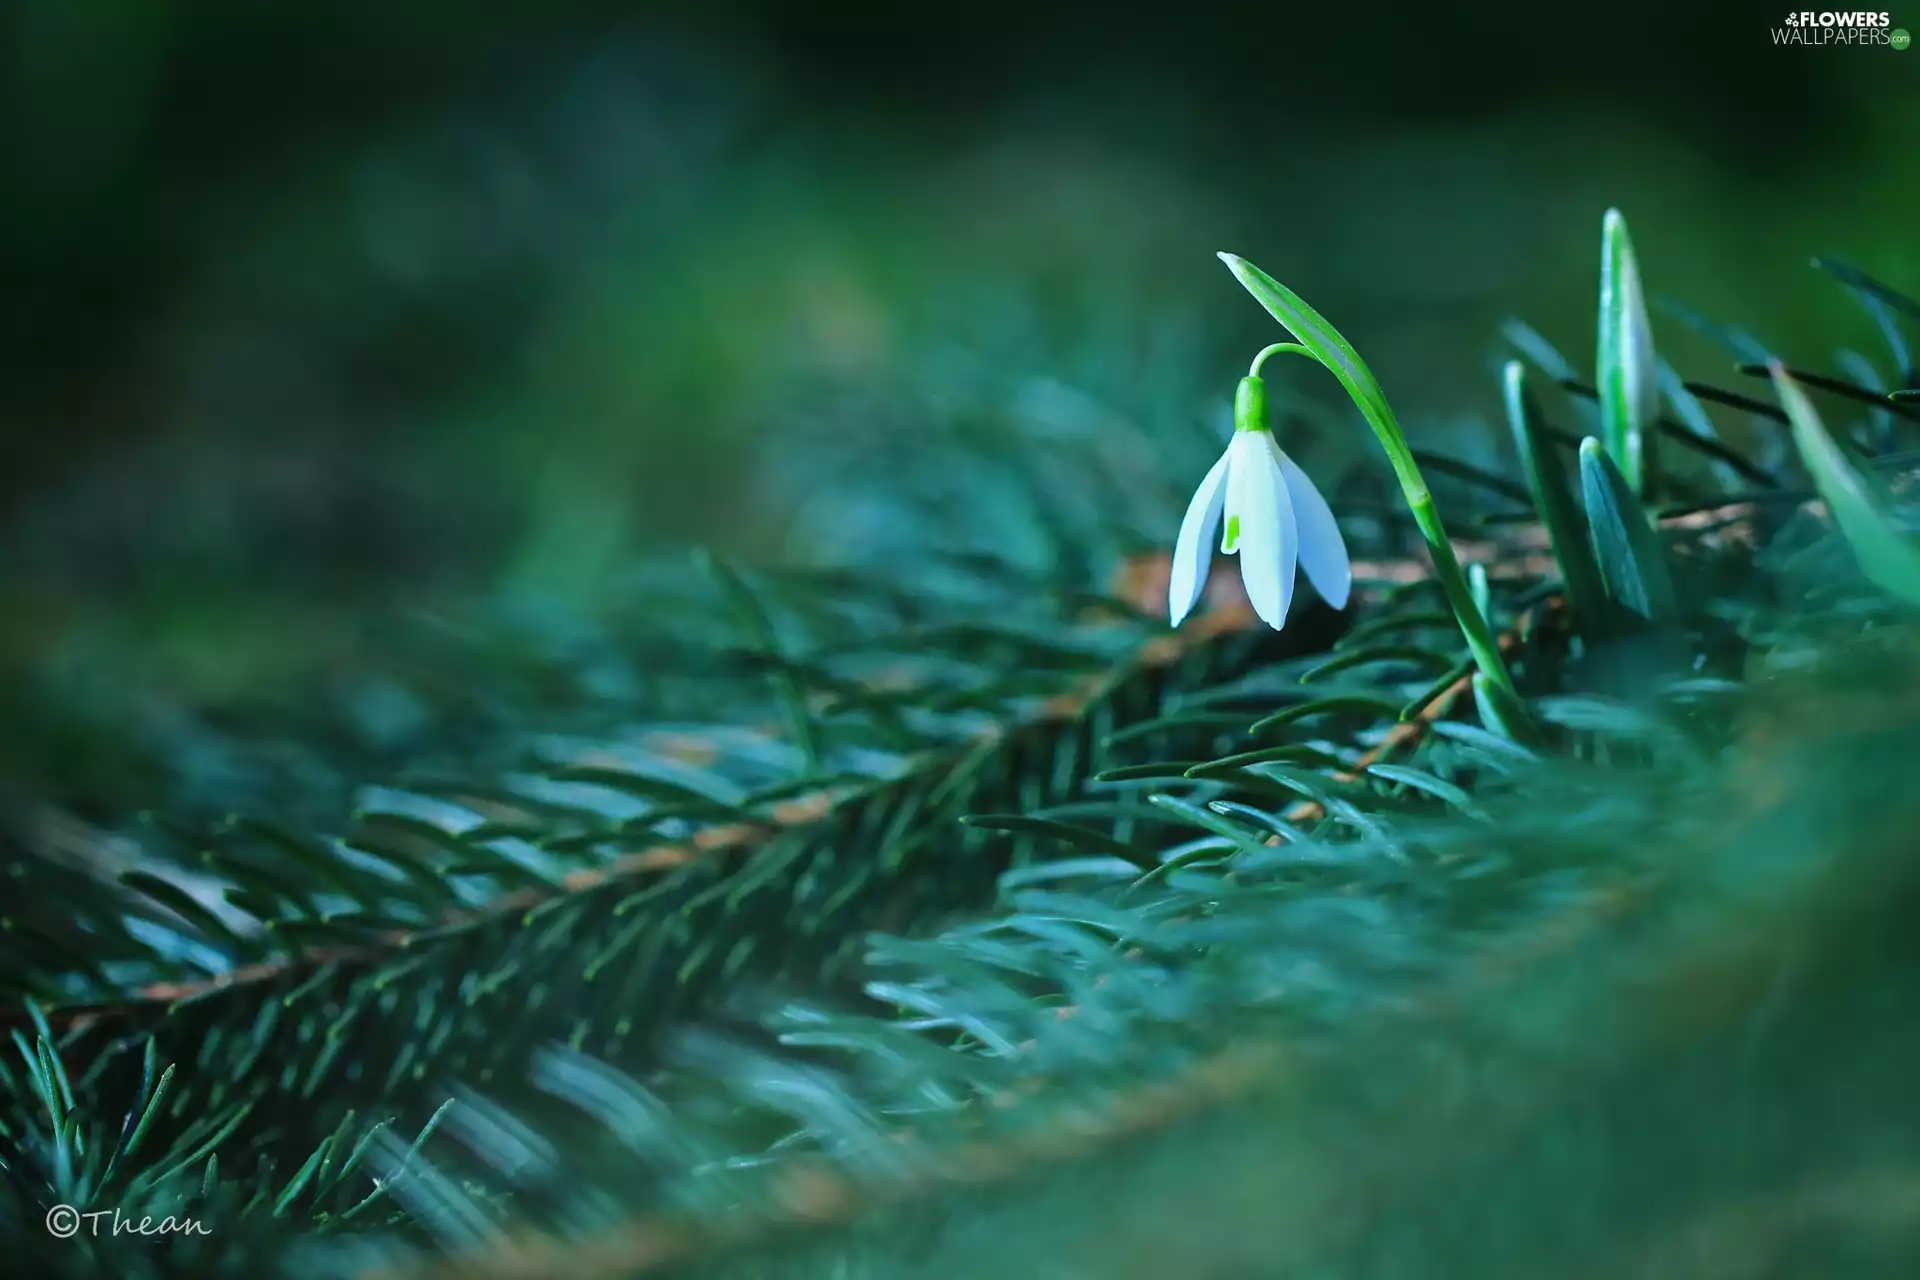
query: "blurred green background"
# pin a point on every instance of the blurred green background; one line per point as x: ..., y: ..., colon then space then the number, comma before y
x: 317, y: 306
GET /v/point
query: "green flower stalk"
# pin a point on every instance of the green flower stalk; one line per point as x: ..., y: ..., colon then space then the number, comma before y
x: 1324, y: 343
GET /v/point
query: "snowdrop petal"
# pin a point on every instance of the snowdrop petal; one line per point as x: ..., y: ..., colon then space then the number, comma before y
x: 1323, y: 552
x: 1269, y: 542
x: 1239, y: 476
x: 1194, y: 549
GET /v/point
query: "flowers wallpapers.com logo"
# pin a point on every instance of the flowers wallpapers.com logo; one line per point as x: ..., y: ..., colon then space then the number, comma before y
x: 1829, y: 27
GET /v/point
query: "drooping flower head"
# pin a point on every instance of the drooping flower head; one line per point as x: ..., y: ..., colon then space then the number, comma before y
x: 1274, y: 520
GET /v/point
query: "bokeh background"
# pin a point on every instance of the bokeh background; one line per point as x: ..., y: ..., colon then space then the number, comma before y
x: 311, y: 311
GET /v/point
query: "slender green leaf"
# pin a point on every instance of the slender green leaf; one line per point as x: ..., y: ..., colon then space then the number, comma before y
x: 1866, y: 284
x: 1633, y: 566
x: 1422, y: 781
x: 1449, y: 678
x: 1887, y: 555
x: 1069, y: 869
x: 1553, y: 498
x: 1530, y: 343
x: 1499, y: 712
x: 187, y: 907
x: 786, y: 682
x: 1416, y: 620
x: 1359, y: 704
x: 1065, y: 832
x: 1179, y: 722
x: 1395, y: 653
x: 1207, y: 820
x: 1152, y: 770
x: 1742, y: 344
x: 1290, y: 753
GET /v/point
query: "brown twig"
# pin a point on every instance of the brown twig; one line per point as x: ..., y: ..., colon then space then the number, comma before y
x: 1409, y: 732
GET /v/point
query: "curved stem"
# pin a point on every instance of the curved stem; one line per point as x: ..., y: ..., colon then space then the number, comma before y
x: 1253, y: 371
x: 1327, y: 347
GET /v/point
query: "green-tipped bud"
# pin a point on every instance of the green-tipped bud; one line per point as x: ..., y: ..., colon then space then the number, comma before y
x: 1250, y: 405
x: 1627, y: 374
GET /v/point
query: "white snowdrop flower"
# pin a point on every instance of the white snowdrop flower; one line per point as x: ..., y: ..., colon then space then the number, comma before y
x: 1275, y: 519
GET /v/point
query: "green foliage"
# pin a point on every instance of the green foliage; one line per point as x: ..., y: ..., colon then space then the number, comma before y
x: 1626, y: 546
x: 1550, y: 497
x: 1331, y: 349
x: 939, y: 913
x: 1624, y: 367
x: 1887, y: 554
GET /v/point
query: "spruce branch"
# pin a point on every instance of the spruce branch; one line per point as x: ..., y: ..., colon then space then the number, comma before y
x: 732, y: 840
